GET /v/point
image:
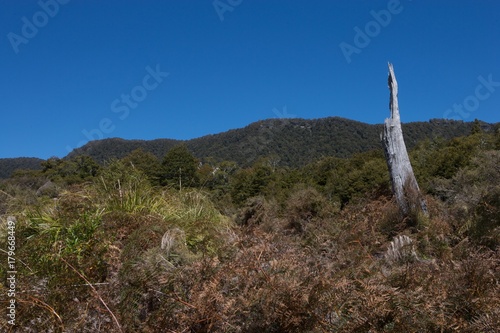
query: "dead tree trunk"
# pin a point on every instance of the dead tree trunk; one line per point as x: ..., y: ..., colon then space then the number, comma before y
x: 404, y: 184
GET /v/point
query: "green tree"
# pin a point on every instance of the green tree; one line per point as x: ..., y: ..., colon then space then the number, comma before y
x: 77, y: 169
x: 86, y: 166
x: 51, y: 165
x: 179, y: 168
x: 145, y: 162
x: 476, y: 127
x: 250, y: 182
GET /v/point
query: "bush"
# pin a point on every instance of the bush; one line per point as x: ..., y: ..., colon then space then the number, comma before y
x: 256, y: 211
x: 118, y: 252
x: 486, y: 226
x: 303, y: 206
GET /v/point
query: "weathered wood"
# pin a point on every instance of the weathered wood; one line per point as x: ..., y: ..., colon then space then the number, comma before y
x: 404, y: 184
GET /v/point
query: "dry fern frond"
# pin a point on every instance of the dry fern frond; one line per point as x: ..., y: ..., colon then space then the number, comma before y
x: 400, y: 249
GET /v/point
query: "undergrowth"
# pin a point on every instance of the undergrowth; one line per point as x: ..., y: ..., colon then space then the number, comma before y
x: 117, y: 254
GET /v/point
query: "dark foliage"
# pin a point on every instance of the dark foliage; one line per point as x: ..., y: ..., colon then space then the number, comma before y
x: 260, y: 248
x: 9, y: 165
x: 296, y: 142
x: 179, y: 168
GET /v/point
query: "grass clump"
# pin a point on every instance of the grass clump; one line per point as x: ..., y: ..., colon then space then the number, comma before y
x: 117, y: 253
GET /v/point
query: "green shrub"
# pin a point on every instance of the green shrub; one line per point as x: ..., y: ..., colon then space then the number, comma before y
x: 486, y: 226
x: 304, y: 205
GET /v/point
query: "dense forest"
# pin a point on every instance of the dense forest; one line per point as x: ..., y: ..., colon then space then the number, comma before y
x: 209, y: 235
x: 295, y: 142
x: 9, y: 165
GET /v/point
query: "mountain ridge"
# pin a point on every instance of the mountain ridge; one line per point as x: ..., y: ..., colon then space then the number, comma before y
x: 10, y: 164
x: 293, y: 141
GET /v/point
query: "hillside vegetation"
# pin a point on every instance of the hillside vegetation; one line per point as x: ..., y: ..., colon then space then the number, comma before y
x: 148, y: 244
x: 9, y: 165
x: 295, y: 142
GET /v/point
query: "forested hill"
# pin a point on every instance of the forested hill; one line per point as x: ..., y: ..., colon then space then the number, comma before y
x: 294, y: 142
x: 103, y: 150
x: 8, y: 165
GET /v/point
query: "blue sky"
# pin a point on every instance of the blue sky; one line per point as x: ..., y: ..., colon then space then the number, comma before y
x: 78, y: 70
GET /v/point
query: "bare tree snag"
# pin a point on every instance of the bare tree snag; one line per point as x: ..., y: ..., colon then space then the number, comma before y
x: 404, y: 184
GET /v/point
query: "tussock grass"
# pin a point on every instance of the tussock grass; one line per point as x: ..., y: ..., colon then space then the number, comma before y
x: 118, y: 254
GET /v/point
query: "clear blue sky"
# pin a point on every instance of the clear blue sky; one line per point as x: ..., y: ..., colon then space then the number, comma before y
x: 73, y: 70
